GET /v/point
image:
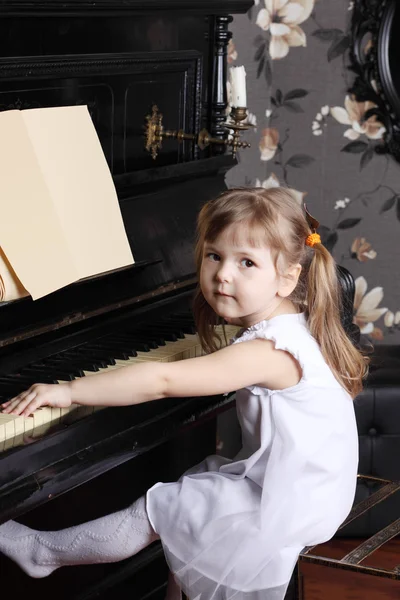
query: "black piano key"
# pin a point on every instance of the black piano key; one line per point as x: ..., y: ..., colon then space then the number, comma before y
x: 116, y: 350
x: 152, y: 340
x: 78, y: 367
x: 80, y: 361
x: 139, y: 346
x: 177, y: 319
x: 41, y: 375
x: 115, y: 345
x: 19, y: 379
x: 153, y: 332
x: 71, y: 359
x: 10, y: 389
x: 165, y: 328
x: 186, y: 317
x: 36, y: 376
x: 186, y: 327
x: 89, y: 355
x: 55, y: 370
x: 150, y: 344
x: 64, y: 365
x: 46, y: 364
x: 108, y: 354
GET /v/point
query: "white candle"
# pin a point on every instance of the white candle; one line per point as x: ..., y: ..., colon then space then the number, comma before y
x: 238, y: 86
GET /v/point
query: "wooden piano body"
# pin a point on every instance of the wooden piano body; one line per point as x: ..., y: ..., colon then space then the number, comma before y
x: 118, y: 58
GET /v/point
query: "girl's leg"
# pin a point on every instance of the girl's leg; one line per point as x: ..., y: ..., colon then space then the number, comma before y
x: 108, y: 539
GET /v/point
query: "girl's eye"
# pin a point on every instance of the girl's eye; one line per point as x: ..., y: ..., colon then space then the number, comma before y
x: 212, y: 256
x: 246, y: 262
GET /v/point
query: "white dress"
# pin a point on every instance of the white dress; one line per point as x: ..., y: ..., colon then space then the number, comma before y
x: 234, y: 529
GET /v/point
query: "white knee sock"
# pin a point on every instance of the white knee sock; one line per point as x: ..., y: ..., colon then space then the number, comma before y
x: 108, y: 539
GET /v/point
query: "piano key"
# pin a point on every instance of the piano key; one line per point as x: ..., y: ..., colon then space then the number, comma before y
x: 154, y: 332
x: 185, y: 326
x: 186, y: 316
x: 127, y: 339
x: 55, y: 415
x: 61, y: 363
x: 150, y: 338
x: 150, y: 344
x: 43, y: 419
x: 106, y: 353
x: 12, y: 430
x: 7, y: 387
x: 101, y: 361
x: 118, y: 346
x: 60, y: 371
x: 165, y: 330
x: 56, y: 373
x: 47, y: 417
x: 84, y: 365
x: 9, y: 393
x: 17, y: 378
x: 40, y: 376
x: 7, y: 431
x: 164, y: 325
x: 86, y: 359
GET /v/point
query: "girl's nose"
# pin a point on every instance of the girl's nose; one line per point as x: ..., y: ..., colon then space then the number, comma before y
x: 223, y: 274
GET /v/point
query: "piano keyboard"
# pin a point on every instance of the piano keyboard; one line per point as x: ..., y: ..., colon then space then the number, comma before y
x: 166, y: 341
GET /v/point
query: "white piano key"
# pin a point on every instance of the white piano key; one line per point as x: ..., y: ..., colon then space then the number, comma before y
x: 8, y: 421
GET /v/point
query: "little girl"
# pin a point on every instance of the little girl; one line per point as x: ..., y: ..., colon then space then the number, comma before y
x: 234, y: 529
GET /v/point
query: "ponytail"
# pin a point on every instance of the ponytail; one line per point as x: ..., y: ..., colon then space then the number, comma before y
x: 324, y: 306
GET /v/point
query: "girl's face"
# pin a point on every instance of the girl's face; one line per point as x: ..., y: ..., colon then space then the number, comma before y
x: 238, y: 279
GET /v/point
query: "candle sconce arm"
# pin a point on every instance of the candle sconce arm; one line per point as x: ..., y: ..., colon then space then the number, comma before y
x: 155, y: 132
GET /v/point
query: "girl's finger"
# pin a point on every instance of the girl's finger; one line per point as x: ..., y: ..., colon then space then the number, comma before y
x: 22, y: 395
x: 31, y: 407
x: 18, y: 398
x: 19, y: 407
x: 12, y: 401
x: 8, y: 406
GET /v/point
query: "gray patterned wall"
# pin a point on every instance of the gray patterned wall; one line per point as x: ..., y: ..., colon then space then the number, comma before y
x: 308, y: 135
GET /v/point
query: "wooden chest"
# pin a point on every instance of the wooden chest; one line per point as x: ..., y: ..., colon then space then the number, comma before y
x: 356, y: 568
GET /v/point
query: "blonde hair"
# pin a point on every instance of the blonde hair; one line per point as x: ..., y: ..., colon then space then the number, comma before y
x: 317, y: 292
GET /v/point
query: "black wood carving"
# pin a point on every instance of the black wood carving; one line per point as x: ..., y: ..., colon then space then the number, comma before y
x: 374, y: 58
x: 218, y: 97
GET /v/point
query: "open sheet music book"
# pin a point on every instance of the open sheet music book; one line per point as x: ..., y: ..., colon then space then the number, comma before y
x: 60, y: 219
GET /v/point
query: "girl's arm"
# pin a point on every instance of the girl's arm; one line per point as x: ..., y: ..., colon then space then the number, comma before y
x: 229, y: 369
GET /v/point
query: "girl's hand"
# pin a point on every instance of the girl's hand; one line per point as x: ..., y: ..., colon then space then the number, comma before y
x: 39, y: 394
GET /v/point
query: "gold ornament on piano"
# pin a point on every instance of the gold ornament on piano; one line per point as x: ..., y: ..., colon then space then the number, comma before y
x: 155, y: 132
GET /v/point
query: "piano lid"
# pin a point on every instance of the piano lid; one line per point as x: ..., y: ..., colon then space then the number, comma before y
x: 38, y: 7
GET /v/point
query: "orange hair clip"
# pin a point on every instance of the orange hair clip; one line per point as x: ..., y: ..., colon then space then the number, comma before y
x: 312, y: 239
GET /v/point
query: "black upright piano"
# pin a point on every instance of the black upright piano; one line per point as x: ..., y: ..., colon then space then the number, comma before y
x: 120, y: 58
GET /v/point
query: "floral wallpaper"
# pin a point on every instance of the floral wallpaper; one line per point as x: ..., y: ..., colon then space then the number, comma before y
x: 308, y: 132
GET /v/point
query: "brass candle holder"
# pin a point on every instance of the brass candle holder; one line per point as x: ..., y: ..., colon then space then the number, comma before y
x: 155, y: 133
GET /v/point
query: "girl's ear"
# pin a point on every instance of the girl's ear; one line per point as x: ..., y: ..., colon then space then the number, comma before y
x: 289, y: 280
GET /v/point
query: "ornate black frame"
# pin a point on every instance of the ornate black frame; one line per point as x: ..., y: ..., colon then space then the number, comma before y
x: 373, y: 78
